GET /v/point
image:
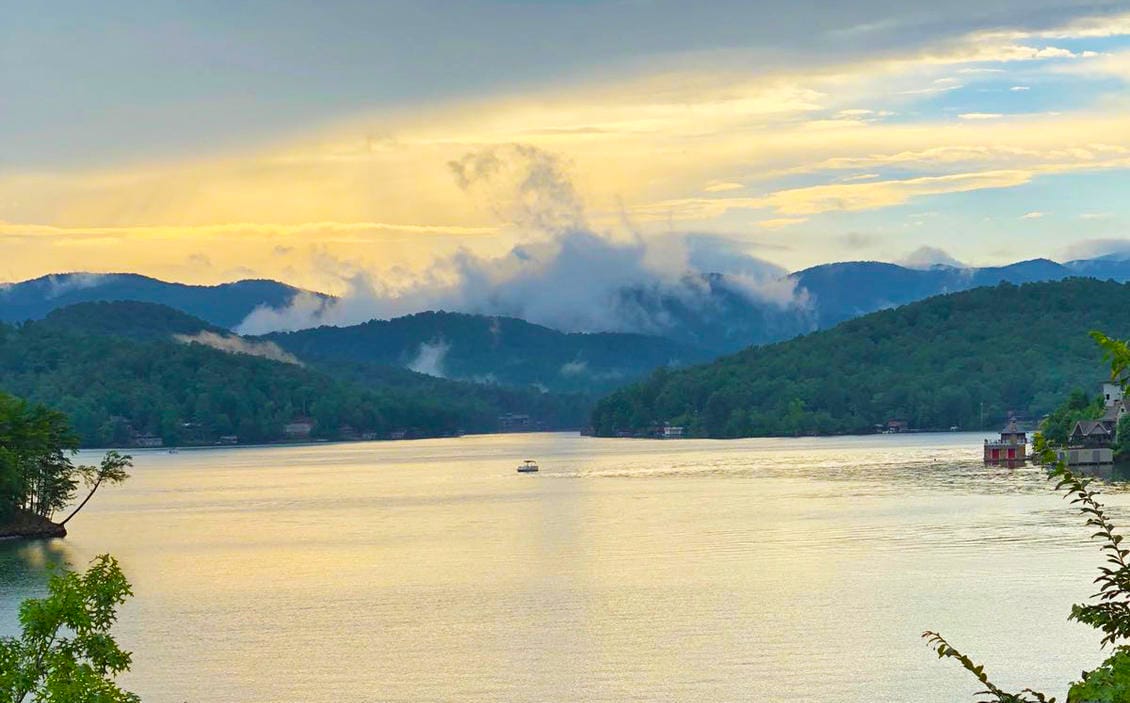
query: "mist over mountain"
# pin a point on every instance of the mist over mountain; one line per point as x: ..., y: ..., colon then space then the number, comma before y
x: 225, y: 305
x: 957, y: 360
x: 124, y: 369
x: 492, y: 350
x: 714, y: 312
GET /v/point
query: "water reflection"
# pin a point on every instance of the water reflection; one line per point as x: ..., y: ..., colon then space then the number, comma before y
x: 1114, y: 474
x: 24, y: 569
x: 26, y: 563
x: 625, y: 570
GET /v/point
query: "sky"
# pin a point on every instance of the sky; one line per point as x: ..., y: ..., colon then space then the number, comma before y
x: 405, y: 146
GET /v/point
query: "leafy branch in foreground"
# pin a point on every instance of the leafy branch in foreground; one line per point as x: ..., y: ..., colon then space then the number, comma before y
x: 945, y: 649
x: 66, y: 652
x: 1110, y: 682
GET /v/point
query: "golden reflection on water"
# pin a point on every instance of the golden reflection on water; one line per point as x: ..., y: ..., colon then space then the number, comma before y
x: 767, y: 570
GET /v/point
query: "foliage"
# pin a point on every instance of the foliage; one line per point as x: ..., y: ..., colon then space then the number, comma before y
x: 1057, y: 426
x: 1110, y: 683
x: 66, y: 652
x: 36, y: 472
x: 509, y: 351
x: 945, y: 649
x: 1110, y: 610
x: 934, y: 364
x: 1122, y: 438
x: 115, y: 385
x: 112, y: 470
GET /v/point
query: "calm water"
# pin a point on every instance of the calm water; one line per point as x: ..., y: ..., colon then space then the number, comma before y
x: 754, y: 570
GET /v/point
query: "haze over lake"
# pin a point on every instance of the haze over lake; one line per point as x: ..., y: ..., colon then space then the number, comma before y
x: 756, y: 570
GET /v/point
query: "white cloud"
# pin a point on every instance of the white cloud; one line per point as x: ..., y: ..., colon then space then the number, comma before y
x: 928, y: 257
x: 237, y: 345
x: 1034, y: 215
x: 1094, y: 248
x: 430, y: 358
x: 980, y: 115
x: 563, y: 273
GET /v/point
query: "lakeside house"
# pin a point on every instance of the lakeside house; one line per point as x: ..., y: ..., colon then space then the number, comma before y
x: 1011, y: 449
x: 147, y: 440
x: 299, y: 428
x: 1091, y: 442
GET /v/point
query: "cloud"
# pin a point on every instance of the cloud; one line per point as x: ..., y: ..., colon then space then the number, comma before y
x: 574, y: 368
x: 980, y: 116
x: 647, y: 152
x: 1034, y: 215
x: 1095, y: 248
x: 58, y: 285
x: 562, y: 273
x: 1019, y: 88
x: 237, y: 345
x: 928, y: 257
x: 429, y: 358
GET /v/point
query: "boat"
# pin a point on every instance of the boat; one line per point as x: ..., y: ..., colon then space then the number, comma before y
x: 529, y: 466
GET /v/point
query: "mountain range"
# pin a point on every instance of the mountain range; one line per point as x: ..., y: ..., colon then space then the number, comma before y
x: 224, y: 305
x: 689, y: 321
x: 967, y: 360
x: 712, y: 311
x: 124, y: 371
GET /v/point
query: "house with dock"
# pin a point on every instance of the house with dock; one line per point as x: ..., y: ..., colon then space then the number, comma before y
x: 1091, y: 442
x: 1011, y: 449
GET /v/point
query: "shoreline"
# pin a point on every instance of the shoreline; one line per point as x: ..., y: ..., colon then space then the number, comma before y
x: 27, y: 526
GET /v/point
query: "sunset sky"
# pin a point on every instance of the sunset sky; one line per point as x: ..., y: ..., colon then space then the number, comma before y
x: 308, y: 142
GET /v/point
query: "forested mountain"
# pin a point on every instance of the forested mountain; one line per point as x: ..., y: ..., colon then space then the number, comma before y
x: 843, y: 291
x: 932, y: 364
x: 224, y: 305
x: 117, y: 372
x: 491, y: 350
x: 127, y: 318
x: 713, y: 312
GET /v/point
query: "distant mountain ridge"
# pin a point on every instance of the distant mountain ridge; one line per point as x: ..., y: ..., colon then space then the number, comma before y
x: 951, y: 360
x: 224, y: 305
x: 713, y: 312
x: 843, y: 291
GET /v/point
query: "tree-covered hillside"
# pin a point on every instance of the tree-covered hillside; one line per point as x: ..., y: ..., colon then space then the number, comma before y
x: 127, y: 318
x: 934, y: 364
x: 115, y: 382
x: 491, y: 350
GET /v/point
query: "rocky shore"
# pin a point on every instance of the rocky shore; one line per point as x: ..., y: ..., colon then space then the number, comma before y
x: 28, y: 526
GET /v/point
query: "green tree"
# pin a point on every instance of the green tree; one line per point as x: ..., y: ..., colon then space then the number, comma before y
x: 1122, y: 438
x: 66, y: 652
x: 112, y: 470
x: 37, y: 475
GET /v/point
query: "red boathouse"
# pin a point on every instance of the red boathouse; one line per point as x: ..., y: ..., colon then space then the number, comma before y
x: 1011, y: 449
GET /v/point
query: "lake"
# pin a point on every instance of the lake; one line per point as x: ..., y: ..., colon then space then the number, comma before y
x: 627, y: 570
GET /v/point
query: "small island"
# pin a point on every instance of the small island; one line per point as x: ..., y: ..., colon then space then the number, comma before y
x: 37, y: 477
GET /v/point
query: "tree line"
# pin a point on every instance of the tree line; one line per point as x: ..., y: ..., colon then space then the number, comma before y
x: 965, y: 360
x: 115, y: 388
